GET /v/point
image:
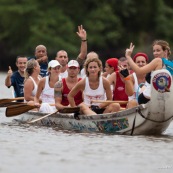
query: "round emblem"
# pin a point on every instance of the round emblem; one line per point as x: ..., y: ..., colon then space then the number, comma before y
x: 162, y: 82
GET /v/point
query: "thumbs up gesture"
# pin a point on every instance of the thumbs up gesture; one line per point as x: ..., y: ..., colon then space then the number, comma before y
x: 10, y: 72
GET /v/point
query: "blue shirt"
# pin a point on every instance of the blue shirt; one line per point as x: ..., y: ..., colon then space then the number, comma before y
x: 43, y: 67
x: 17, y: 81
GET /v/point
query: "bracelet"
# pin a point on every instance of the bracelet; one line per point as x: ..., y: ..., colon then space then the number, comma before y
x: 84, y: 40
x: 127, y: 78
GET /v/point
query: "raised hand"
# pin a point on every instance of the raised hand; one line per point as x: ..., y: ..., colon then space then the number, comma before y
x: 10, y: 72
x: 129, y: 50
x: 82, y: 33
x: 44, y: 58
x: 123, y: 71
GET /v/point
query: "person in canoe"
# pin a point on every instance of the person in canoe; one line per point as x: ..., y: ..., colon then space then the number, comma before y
x: 16, y: 79
x: 94, y: 87
x: 63, y: 87
x: 32, y: 79
x: 161, y: 52
x: 45, y: 90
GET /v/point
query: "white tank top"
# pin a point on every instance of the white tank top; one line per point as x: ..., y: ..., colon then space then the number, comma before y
x: 47, y: 94
x: 137, y: 89
x: 90, y: 94
x: 35, y: 86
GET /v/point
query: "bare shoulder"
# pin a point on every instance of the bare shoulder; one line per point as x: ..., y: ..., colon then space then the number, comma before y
x: 112, y: 78
x: 28, y: 82
x: 156, y: 60
x: 105, y: 81
x: 42, y: 82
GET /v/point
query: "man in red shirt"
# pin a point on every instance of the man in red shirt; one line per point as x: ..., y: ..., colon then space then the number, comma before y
x: 64, y: 86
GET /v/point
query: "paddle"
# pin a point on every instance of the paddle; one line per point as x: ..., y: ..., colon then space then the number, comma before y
x: 10, y: 104
x: 8, y: 100
x: 22, y: 108
x: 65, y: 110
x: 18, y: 109
x: 109, y: 101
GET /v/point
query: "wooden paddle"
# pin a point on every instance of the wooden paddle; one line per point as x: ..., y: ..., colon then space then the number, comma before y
x: 18, y: 109
x: 109, y: 101
x: 10, y: 104
x: 22, y: 108
x: 65, y: 110
x: 8, y: 100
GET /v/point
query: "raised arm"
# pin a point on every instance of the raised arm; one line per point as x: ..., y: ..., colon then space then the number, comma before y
x: 155, y: 64
x: 83, y: 50
x: 128, y: 80
x: 8, y: 78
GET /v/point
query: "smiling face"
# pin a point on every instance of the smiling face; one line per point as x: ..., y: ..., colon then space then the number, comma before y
x: 140, y: 61
x: 21, y: 64
x: 158, y: 52
x: 55, y: 70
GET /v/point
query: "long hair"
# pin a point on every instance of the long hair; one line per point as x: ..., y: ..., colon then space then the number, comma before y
x: 30, y: 68
x: 92, y: 59
x: 164, y: 45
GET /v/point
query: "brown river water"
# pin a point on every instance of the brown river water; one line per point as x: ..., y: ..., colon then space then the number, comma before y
x: 30, y: 149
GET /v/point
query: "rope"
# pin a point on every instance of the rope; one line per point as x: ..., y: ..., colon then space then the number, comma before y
x: 140, y: 113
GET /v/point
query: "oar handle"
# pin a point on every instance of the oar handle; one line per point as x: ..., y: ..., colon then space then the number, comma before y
x: 109, y: 101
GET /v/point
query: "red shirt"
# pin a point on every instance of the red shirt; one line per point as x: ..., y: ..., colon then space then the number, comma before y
x: 119, y: 90
x: 77, y: 98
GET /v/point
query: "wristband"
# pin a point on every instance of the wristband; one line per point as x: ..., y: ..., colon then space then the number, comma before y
x: 84, y: 40
x: 127, y: 78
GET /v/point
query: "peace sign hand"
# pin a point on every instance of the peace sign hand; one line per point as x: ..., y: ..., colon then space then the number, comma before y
x: 81, y: 33
x: 129, y: 50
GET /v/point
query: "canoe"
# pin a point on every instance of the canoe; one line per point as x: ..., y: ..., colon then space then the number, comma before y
x: 152, y: 118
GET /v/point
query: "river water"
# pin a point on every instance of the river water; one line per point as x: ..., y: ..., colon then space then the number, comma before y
x: 31, y: 149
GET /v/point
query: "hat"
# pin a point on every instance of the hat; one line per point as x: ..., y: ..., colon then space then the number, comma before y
x: 73, y: 63
x: 113, y: 62
x: 140, y: 54
x: 53, y: 63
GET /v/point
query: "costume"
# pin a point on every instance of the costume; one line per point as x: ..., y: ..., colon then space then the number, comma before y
x: 77, y: 98
x: 17, y: 81
x: 90, y: 94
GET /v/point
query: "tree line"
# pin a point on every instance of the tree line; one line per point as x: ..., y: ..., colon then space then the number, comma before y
x: 110, y: 25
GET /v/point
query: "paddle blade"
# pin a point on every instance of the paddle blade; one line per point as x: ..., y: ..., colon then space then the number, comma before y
x: 18, y: 109
x: 8, y: 100
x: 10, y: 104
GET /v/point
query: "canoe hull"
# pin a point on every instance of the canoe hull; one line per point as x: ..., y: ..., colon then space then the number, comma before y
x: 152, y: 118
